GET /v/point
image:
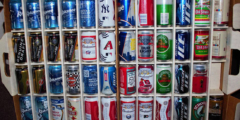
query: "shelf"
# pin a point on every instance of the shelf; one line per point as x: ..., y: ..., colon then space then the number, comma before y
x: 54, y: 63
x: 218, y: 60
x: 41, y: 63
x: 37, y: 30
x: 185, y: 28
x: 35, y: 94
x: 70, y: 95
x: 19, y: 64
x: 152, y: 62
x: 185, y: 94
x: 88, y: 95
x: 71, y: 63
x: 87, y: 63
x: 202, y: 27
x: 145, y: 95
x: 51, y: 30
x: 146, y: 28
x: 107, y: 63
x: 127, y: 28
x: 205, y: 61
x: 185, y: 61
x: 51, y: 94
x: 221, y: 27
x: 164, y: 62
x: 104, y: 95
x: 164, y: 27
x: 199, y: 94
x: 162, y: 95
x: 125, y: 63
x: 106, y: 29
x: 72, y: 29
x: 14, y: 31
x: 133, y: 95
x: 216, y: 92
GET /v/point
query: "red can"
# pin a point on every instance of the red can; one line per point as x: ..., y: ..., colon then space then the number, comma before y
x: 91, y: 108
x: 199, y: 78
x: 163, y: 108
x: 145, y: 78
x: 127, y: 79
x: 145, y: 13
x: 201, y: 44
x: 109, y: 108
x: 128, y: 108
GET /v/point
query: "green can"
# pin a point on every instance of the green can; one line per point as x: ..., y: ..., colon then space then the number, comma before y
x: 202, y: 12
x: 164, y: 44
x: 198, y: 107
x: 164, y: 12
x: 164, y: 79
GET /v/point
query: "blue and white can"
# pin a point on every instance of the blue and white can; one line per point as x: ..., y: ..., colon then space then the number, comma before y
x: 126, y: 13
x: 33, y: 14
x: 183, y: 10
x: 127, y: 47
x: 108, y: 79
x: 58, y: 112
x: 182, y: 46
x: 69, y: 19
x: 16, y: 14
x: 26, y: 108
x: 41, y: 108
x: 51, y: 13
x: 87, y: 13
x: 90, y: 79
x: 55, y: 79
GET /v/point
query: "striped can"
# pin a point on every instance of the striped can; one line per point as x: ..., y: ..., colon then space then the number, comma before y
x: 202, y: 12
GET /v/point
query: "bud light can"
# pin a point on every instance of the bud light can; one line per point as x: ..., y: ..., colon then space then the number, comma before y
x: 36, y: 47
x: 71, y: 46
x: 182, y: 45
x: 19, y: 47
x: 90, y: 79
x: 25, y: 108
x: 51, y: 13
x: 126, y: 13
x: 74, y: 108
x: 183, y: 10
x: 108, y: 79
x: 127, y: 79
x: 106, y: 13
x: 145, y: 46
x: 163, y: 108
x: 127, y: 47
x: 41, y: 108
x: 182, y: 78
x: 145, y: 108
x: 33, y: 14
x: 73, y: 79
x: 39, y: 82
x: 145, y: 79
x: 89, y: 46
x: 107, y: 46
x: 53, y: 47
x: 109, y: 108
x: 87, y: 13
x: 58, y: 112
x: 55, y: 79
x: 69, y: 19
x: 181, y: 108
x: 128, y: 108
x: 145, y: 12
x: 91, y: 108
x: 22, y: 79
x: 16, y: 14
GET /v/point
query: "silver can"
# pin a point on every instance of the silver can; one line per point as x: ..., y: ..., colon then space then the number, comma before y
x: 219, y: 47
x: 221, y: 12
x: 73, y: 79
x: 107, y: 46
x: 145, y: 46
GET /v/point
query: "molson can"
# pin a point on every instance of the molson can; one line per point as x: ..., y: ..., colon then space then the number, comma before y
x: 145, y: 46
x: 145, y: 78
x: 202, y: 12
x: 221, y: 12
x: 51, y: 13
x: 215, y: 107
x: 73, y: 79
x: 16, y: 14
x: 106, y: 13
x: 74, y: 108
x: 181, y: 108
x: 182, y: 78
x: 55, y: 79
x: 33, y: 14
x: 164, y: 44
x: 107, y: 46
x: 89, y: 46
x: 39, y: 82
x: 41, y: 108
x: 19, y: 47
x: 201, y: 44
x: 199, y: 78
x: 58, y: 112
x: 128, y: 108
x: 25, y: 108
x: 87, y: 13
x: 109, y: 108
x: 163, y: 108
x: 164, y: 12
x: 127, y: 79
x: 145, y: 108
x: 91, y: 108
x: 90, y: 80
x: 69, y: 14
x: 164, y: 79
x: 145, y: 16
x: 53, y: 49
x: 198, y: 107
x: 126, y: 13
x: 219, y: 47
x: 182, y: 45
x: 36, y: 47
x: 108, y: 79
x: 22, y: 79
x: 127, y: 47
x: 71, y: 46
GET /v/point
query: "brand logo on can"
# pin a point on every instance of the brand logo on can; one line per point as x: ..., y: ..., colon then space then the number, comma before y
x: 199, y: 110
x: 163, y: 43
x: 181, y: 46
x: 164, y: 78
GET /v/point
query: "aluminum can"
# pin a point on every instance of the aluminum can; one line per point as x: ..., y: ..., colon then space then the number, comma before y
x: 164, y: 79
x: 87, y: 13
x: 108, y: 79
x: 53, y: 49
x: 19, y: 47
x: 202, y: 12
x: 71, y: 46
x: 36, y: 47
x: 145, y: 108
x: 215, y: 107
x: 201, y: 44
x: 39, y: 82
x: 145, y: 12
x: 51, y: 13
x: 16, y: 14
x: 73, y: 79
x: 106, y: 13
x: 91, y: 108
x: 198, y: 107
x: 127, y: 47
x: 89, y: 46
x: 164, y: 44
x: 163, y: 108
x: 74, y: 108
x: 128, y: 108
x: 182, y: 45
x: 25, y: 108
x: 22, y: 79
x: 145, y: 46
x: 164, y: 12
x: 181, y: 108
x: 90, y: 79
x: 199, y: 78
x: 55, y: 79
x: 183, y: 11
x: 127, y: 79
x: 58, y: 112
x: 221, y: 11
x: 145, y: 79
x: 126, y: 13
x: 219, y: 47
x: 41, y: 108
x: 69, y: 15
x: 33, y: 14
x: 182, y: 78
x: 109, y: 108
x: 107, y: 46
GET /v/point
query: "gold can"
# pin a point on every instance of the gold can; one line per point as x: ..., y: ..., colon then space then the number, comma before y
x: 39, y: 82
x: 22, y: 79
x: 71, y: 46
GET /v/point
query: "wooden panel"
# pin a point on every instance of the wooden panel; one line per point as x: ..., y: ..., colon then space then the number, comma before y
x: 16, y: 106
x: 7, y: 16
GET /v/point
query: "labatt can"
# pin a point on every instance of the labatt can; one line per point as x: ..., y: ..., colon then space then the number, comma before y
x: 16, y: 14
x: 215, y: 107
x: 58, y: 112
x: 182, y: 78
x: 164, y: 44
x: 41, y: 108
x: 145, y: 12
x: 164, y: 12
x: 182, y: 45
x: 91, y: 108
x: 128, y: 108
x: 36, y: 47
x: 164, y: 79
x: 33, y: 14
x: 22, y: 79
x: 145, y: 79
x: 69, y: 14
x: 74, y: 108
x: 107, y: 46
x: 39, y: 82
x: 145, y: 46
x: 53, y: 49
x: 25, y: 107
x: 106, y: 13
x: 109, y: 108
x: 184, y: 12
x: 126, y: 13
x: 19, y: 46
x: 71, y: 46
x: 51, y: 13
x: 221, y: 12
x: 127, y: 47
x: 89, y: 46
x: 55, y: 79
x: 127, y: 79
x: 90, y: 82
x: 163, y: 108
x: 201, y: 44
x: 145, y: 108
x: 87, y: 13
x: 108, y: 79
x: 219, y: 47
x: 181, y: 108
x: 199, y: 78
x: 198, y: 107
x: 73, y: 79
x: 202, y: 12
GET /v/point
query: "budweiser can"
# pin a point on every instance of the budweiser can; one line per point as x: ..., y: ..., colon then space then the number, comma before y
x: 89, y: 46
x: 219, y: 47
x: 145, y: 12
x: 91, y: 108
x: 145, y: 108
x: 74, y: 108
x: 107, y: 46
x: 128, y: 107
x: 109, y: 108
x: 199, y: 78
x: 127, y: 79
x: 201, y: 44
x: 106, y: 14
x: 221, y: 12
x: 145, y: 78
x: 163, y: 108
x: 145, y: 46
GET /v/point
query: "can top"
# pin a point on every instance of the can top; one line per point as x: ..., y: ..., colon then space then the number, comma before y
x: 199, y: 97
x: 72, y: 67
x: 164, y: 2
x: 70, y: 32
x: 54, y: 32
x: 25, y: 97
x: 160, y: 31
x: 88, y: 33
x: 18, y: 34
x: 164, y: 66
x: 128, y: 99
x: 103, y: 31
x: 145, y: 32
x: 127, y: 65
x: 41, y: 98
x: 74, y: 98
x: 126, y: 31
x: 107, y: 66
x: 145, y: 98
x: 217, y: 98
x: 90, y: 65
x: 91, y: 99
x: 21, y: 66
x: 35, y: 33
x: 199, y: 66
x: 182, y: 31
x: 201, y: 30
x: 38, y: 66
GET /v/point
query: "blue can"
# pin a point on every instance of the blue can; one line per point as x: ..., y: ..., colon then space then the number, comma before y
x: 55, y: 78
x: 87, y: 13
x: 25, y: 107
x: 182, y: 46
x: 41, y: 108
x: 126, y: 13
x: 33, y: 14
x: 69, y: 13
x: 90, y: 79
x: 127, y: 47
x: 16, y: 14
x: 51, y: 13
x: 183, y: 16
x: 108, y: 79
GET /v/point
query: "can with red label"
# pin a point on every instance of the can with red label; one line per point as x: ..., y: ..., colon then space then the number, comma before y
x: 163, y: 108
x: 107, y: 46
x: 128, y: 108
x: 91, y: 108
x: 74, y: 108
x: 145, y: 12
x: 145, y: 78
x: 89, y: 46
x: 145, y: 46
x: 127, y: 79
x: 201, y: 44
x: 219, y: 47
x: 109, y: 108
x: 145, y: 108
x: 221, y: 12
x: 199, y: 78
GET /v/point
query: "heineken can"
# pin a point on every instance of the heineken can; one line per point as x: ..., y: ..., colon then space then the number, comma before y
x: 181, y: 108
x: 202, y: 12
x: 164, y: 12
x: 74, y: 108
x: 145, y: 108
x: 25, y: 107
x: 39, y: 82
x: 163, y: 108
x: 19, y: 47
x: 164, y: 44
x: 198, y: 107
x: 73, y: 79
x: 22, y: 79
x: 215, y: 107
x: 145, y: 46
x: 221, y: 12
x: 201, y: 44
x: 145, y: 79
x: 36, y: 47
x: 164, y: 79
x: 71, y: 46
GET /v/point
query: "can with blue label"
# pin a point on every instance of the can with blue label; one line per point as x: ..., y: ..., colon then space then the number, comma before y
x: 126, y: 13
x: 16, y: 14
x: 25, y: 108
x: 41, y: 108
x: 127, y: 47
x: 90, y: 79
x: 55, y: 79
x: 33, y: 14
x: 51, y: 13
x: 58, y: 112
x: 183, y: 10
x: 182, y: 45
x: 108, y: 79
x: 69, y: 19
x: 87, y: 13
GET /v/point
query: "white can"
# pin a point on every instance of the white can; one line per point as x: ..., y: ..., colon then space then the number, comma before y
x: 145, y: 108
x: 106, y: 13
x: 219, y: 47
x: 109, y: 108
x: 58, y: 112
x: 128, y: 108
x: 74, y: 108
x: 107, y: 46
x: 221, y: 12
x: 89, y: 46
x: 163, y: 108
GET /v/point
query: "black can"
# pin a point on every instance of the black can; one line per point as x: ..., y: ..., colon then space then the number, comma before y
x: 182, y: 78
x: 215, y: 107
x: 36, y: 47
x: 71, y: 46
x: 181, y: 108
x: 19, y: 47
x: 73, y: 79
x: 53, y: 47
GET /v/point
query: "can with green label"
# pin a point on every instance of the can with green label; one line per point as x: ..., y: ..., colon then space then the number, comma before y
x: 164, y: 12
x: 164, y: 79
x: 202, y: 12
x: 164, y: 44
x: 198, y: 107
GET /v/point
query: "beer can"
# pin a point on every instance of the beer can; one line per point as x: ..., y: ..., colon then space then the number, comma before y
x: 145, y: 46
x: 69, y: 14
x: 51, y: 13
x: 164, y: 44
x: 109, y: 108
x: 71, y: 46
x: 74, y: 108
x: 41, y: 107
x: 164, y: 12
x: 163, y: 108
x: 90, y: 80
x: 87, y: 13
x: 126, y: 13
x: 145, y: 108
x: 107, y: 46
x: 201, y: 44
x: 200, y: 78
x: 39, y: 82
x: 198, y: 107
x: 202, y: 12
x: 58, y: 112
x: 73, y: 79
x: 127, y: 47
x: 182, y: 78
x: 127, y: 79
x: 22, y: 79
x: 108, y: 79
x: 181, y: 108
x: 89, y: 46
x: 145, y: 79
x: 91, y: 108
x: 33, y: 14
x: 106, y: 13
x: 36, y: 47
x: 19, y: 47
x: 215, y: 107
x: 145, y: 16
x: 182, y: 45
x: 219, y: 47
x: 55, y: 79
x: 184, y: 12
x: 128, y: 108
x: 53, y: 49
x: 25, y: 108
x: 16, y: 14
x: 221, y: 12
x: 164, y: 79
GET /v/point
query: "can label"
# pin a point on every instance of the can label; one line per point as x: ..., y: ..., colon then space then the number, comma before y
x: 181, y: 108
x: 16, y: 15
x: 164, y: 45
x: 106, y: 13
x: 127, y: 80
x: 25, y: 108
x: 145, y: 110
x: 201, y: 45
x: 42, y: 108
x: 145, y: 80
x: 69, y: 18
x: 198, y: 110
x: 164, y: 77
x: 33, y: 15
x: 74, y: 109
x: 199, y: 80
x: 202, y: 12
x: 163, y: 108
x: 182, y: 78
x: 164, y: 14
x: 51, y: 14
x: 90, y: 79
x: 91, y: 108
x: 89, y: 48
x: 146, y: 17
x: 145, y: 46
x: 219, y: 47
x: 22, y: 80
x: 107, y: 47
x: 87, y: 13
x: 221, y: 11
x: 19, y: 49
x: 36, y: 48
x: 108, y: 80
x: 71, y: 47
x: 128, y: 110
x: 58, y: 109
x: 109, y: 109
x: 127, y: 47
x: 126, y: 13
x: 53, y: 47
